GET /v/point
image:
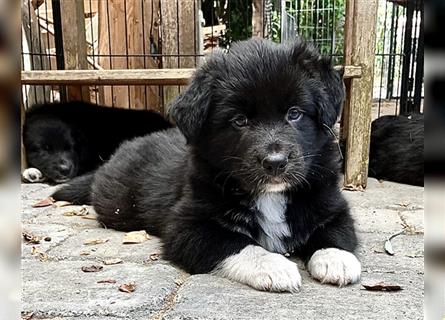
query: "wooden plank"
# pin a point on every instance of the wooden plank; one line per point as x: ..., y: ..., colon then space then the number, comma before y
x: 74, y: 44
x: 257, y: 18
x: 149, y: 77
x: 36, y: 46
x: 109, y: 77
x: 359, y: 47
x: 125, y: 29
x: 178, y: 35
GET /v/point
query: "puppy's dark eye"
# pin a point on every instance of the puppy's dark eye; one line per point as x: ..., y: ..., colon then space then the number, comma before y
x: 240, y: 120
x: 294, y: 114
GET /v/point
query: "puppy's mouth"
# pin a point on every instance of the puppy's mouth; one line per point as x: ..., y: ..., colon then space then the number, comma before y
x: 275, y: 184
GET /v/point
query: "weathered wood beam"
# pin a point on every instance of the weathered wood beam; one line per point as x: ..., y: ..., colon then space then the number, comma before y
x: 127, y: 77
x: 360, y: 38
x: 109, y: 77
x: 74, y: 44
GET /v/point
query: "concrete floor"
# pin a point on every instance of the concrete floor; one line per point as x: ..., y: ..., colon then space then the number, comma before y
x: 55, y: 287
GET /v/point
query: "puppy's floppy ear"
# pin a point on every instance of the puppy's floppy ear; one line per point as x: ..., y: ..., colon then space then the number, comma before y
x: 334, y: 92
x: 189, y: 110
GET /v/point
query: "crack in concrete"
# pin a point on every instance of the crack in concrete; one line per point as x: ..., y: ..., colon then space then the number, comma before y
x: 170, y: 299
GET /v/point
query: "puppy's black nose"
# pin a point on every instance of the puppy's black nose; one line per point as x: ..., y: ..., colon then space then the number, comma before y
x: 65, y: 169
x: 275, y: 164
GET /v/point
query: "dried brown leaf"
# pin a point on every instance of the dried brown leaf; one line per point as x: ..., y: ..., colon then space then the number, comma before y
x: 128, y: 287
x: 154, y: 256
x: 44, y: 203
x: 112, y: 261
x: 60, y: 204
x: 351, y: 187
x: 135, y: 237
x: 84, y: 253
x: 79, y: 213
x: 107, y: 281
x: 381, y: 286
x: 30, y: 238
x: 95, y: 241
x: 92, y: 268
x: 89, y: 217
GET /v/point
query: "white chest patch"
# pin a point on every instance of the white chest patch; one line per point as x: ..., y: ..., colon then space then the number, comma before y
x: 272, y: 220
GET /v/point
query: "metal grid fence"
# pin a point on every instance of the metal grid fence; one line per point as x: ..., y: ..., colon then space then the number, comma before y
x: 155, y: 34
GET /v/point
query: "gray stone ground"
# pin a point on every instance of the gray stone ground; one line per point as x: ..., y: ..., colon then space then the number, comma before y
x: 55, y: 287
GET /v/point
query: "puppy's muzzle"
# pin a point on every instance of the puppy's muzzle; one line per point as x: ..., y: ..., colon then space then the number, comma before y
x: 275, y: 164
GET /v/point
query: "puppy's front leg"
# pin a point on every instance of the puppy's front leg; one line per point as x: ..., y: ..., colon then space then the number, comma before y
x: 32, y: 175
x: 261, y: 270
x: 212, y: 249
x: 329, y: 253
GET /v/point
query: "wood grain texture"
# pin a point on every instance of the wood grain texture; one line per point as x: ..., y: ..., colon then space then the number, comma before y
x: 359, y: 48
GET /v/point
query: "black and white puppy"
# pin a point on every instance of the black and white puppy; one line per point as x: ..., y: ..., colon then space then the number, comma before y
x: 251, y: 175
x: 396, y: 152
x: 64, y: 140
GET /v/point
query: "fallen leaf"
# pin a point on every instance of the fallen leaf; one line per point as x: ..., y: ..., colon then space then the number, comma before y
x: 95, y: 241
x: 417, y: 254
x: 44, y: 203
x: 28, y: 316
x: 381, y: 286
x: 80, y: 213
x: 135, y: 237
x: 107, y: 281
x: 92, y: 268
x: 128, y: 287
x: 60, y: 204
x: 404, y: 204
x: 40, y: 254
x: 84, y: 253
x: 351, y: 187
x: 154, y: 256
x: 388, y: 247
x: 30, y: 238
x: 89, y: 217
x: 112, y: 261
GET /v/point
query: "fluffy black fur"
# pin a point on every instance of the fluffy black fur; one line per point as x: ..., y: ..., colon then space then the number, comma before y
x: 195, y: 187
x: 396, y: 152
x: 64, y: 140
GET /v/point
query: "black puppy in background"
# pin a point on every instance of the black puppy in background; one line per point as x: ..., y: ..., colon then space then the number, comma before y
x: 251, y: 175
x: 64, y: 140
x: 396, y: 152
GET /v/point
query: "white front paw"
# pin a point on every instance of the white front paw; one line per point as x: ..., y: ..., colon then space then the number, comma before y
x: 334, y: 266
x: 32, y: 175
x: 261, y: 270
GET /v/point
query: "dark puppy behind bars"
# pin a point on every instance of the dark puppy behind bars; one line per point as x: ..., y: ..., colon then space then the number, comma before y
x: 64, y: 140
x: 252, y: 174
x: 396, y: 152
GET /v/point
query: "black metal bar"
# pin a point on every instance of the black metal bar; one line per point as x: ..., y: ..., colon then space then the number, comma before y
x: 419, y: 66
x: 143, y: 50
x: 109, y: 49
x: 392, y: 48
x: 58, y: 42
x: 383, y: 61
x: 404, y: 108
x: 126, y: 49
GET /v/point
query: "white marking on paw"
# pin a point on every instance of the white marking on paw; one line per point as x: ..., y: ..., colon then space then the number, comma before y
x: 32, y: 175
x: 334, y: 266
x: 272, y: 219
x: 261, y: 270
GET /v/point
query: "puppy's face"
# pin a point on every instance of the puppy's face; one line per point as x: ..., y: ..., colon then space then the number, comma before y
x: 266, y: 113
x: 50, y: 147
